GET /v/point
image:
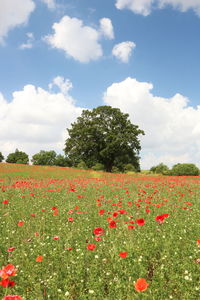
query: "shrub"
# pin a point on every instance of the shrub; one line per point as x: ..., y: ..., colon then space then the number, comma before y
x: 185, y: 170
x: 160, y: 169
x: 129, y: 168
x: 82, y: 165
x: 98, y: 167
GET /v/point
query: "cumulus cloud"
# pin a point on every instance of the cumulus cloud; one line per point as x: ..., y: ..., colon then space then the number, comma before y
x: 144, y: 7
x: 106, y: 28
x: 51, y: 4
x: 36, y: 119
x: 29, y: 42
x: 122, y: 51
x: 77, y: 40
x: 14, y: 13
x: 62, y: 84
x: 171, y: 125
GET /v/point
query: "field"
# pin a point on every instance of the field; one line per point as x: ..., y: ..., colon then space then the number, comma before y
x: 73, y: 234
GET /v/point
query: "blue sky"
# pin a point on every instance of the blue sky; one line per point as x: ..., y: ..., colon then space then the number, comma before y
x: 59, y: 56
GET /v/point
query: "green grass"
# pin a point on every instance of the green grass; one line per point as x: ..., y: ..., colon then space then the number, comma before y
x: 163, y: 254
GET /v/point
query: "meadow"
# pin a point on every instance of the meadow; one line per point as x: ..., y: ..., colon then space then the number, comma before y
x: 75, y: 234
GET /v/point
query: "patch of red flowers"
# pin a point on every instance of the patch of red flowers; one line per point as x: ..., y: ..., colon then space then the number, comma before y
x: 141, y: 285
x: 140, y: 222
x: 91, y: 247
x: 123, y: 254
x: 112, y: 224
x: 98, y: 231
x: 12, y: 297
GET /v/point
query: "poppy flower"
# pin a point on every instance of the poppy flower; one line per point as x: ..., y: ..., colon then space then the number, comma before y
x: 20, y: 223
x: 6, y: 282
x: 198, y: 242
x: 112, y: 224
x: 140, y: 222
x: 98, y: 231
x: 123, y: 254
x: 11, y: 249
x: 56, y: 237
x: 141, y: 285
x: 7, y: 271
x: 91, y: 247
x: 97, y: 238
x: 12, y: 297
x: 5, y: 201
x: 71, y: 220
x: 39, y: 259
x: 101, y: 211
x: 131, y: 227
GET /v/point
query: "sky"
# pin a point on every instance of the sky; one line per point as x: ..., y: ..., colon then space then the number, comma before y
x: 58, y: 57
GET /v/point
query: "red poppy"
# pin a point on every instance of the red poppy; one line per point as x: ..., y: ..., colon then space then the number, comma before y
x: 112, y: 224
x: 101, y: 211
x: 70, y: 220
x: 140, y: 222
x: 12, y: 297
x: 56, y: 237
x: 141, y: 285
x: 91, y: 247
x: 6, y: 282
x: 39, y: 259
x: 123, y: 254
x: 5, y: 201
x: 97, y: 238
x: 7, y: 271
x: 198, y: 242
x: 98, y: 231
x: 131, y: 227
x: 11, y: 249
x: 20, y: 223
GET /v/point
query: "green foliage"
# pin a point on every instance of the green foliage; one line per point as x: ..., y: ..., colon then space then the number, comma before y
x: 98, y: 167
x: 60, y: 161
x: 185, y: 170
x: 82, y: 165
x: 1, y: 157
x: 160, y: 169
x: 44, y: 158
x: 129, y: 168
x: 18, y: 157
x: 104, y: 135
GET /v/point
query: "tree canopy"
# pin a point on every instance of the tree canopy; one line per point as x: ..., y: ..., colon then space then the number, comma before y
x: 44, y: 158
x: 18, y: 157
x: 104, y: 135
x: 1, y: 157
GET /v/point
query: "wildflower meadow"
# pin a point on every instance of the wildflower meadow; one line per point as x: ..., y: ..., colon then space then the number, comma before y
x: 75, y: 234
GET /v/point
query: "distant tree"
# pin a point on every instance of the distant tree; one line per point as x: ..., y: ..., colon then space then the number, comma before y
x: 61, y: 161
x: 185, y: 170
x: 44, y: 158
x: 18, y: 157
x: 160, y: 169
x: 1, y: 157
x: 104, y: 135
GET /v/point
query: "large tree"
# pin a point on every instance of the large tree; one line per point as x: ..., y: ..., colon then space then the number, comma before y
x: 18, y: 157
x: 104, y: 135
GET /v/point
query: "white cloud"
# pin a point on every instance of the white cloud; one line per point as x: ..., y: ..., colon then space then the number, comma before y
x: 172, y: 130
x: 106, y: 28
x: 62, y: 84
x: 29, y: 43
x: 51, y: 4
x: 144, y: 7
x: 14, y: 13
x: 78, y: 41
x: 36, y: 119
x: 123, y: 50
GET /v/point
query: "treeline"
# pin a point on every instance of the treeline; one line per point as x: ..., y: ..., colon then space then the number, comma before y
x: 176, y: 170
x: 50, y: 158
